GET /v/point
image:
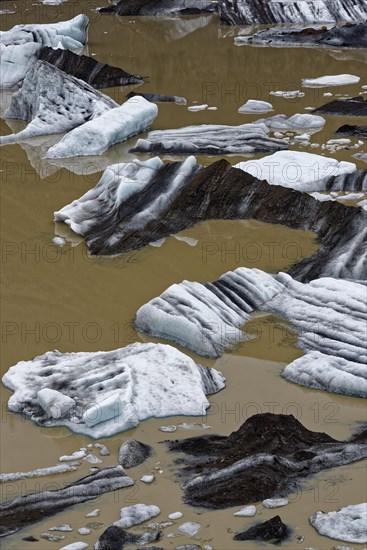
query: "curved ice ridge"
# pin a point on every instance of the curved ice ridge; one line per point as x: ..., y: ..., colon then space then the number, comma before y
x: 113, y: 391
x: 137, y: 203
x: 329, y: 315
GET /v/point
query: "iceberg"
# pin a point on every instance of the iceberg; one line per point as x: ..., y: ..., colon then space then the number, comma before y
x: 329, y: 315
x: 210, y: 139
x: 21, y: 46
x: 299, y: 170
x: 136, y: 514
x: 347, y: 524
x: 94, y: 137
x: 113, y: 390
x: 53, y: 103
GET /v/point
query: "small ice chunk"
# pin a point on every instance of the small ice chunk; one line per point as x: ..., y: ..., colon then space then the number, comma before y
x: 327, y: 94
x: 147, y: 478
x: 168, y: 429
x: 339, y: 141
x: 255, y: 106
x: 246, y: 512
x: 77, y: 455
x: 175, y: 515
x: 55, y: 403
x: 109, y: 407
x: 92, y: 459
x: 84, y: 531
x: 75, y: 546
x: 59, y: 241
x: 197, y: 107
x: 302, y: 137
x: 158, y: 243
x: 190, y: 528
x: 136, y: 514
x: 212, y: 108
x: 103, y: 450
x: 274, y: 502
x: 93, y: 514
x: 66, y: 527
x: 288, y: 94
x: 333, y: 80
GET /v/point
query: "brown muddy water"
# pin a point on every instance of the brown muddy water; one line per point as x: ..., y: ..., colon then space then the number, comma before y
x: 62, y: 298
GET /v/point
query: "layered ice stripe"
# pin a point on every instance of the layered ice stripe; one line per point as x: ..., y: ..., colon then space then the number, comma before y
x: 207, y: 318
x: 268, y: 12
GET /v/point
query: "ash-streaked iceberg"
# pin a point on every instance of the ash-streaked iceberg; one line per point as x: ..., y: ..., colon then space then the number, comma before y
x: 26, y: 509
x: 53, y: 103
x: 256, y: 106
x: 210, y: 139
x: 270, y: 12
x: 138, y: 203
x: 95, y: 136
x: 340, y: 36
x: 113, y: 390
x: 21, y: 46
x: 216, y: 311
x: 347, y: 524
x: 136, y: 514
x: 329, y: 315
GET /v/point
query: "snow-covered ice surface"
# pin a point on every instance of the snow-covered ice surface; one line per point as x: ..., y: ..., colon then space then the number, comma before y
x: 348, y: 524
x: 136, y: 514
x: 97, y: 135
x: 53, y: 103
x: 210, y: 139
x: 333, y: 80
x: 113, y: 390
x: 20, y: 46
x: 295, y: 122
x: 255, y: 106
x: 329, y: 315
x: 298, y: 170
x: 251, y: 12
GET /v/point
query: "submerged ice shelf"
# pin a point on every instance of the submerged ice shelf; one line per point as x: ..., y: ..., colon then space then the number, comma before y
x: 113, y: 391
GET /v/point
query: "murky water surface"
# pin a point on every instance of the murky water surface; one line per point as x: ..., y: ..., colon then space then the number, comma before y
x: 62, y: 298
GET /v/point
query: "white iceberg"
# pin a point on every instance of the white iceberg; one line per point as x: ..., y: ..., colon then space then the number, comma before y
x: 153, y: 380
x: 21, y: 45
x: 96, y: 136
x: 297, y: 170
x: 255, y: 106
x: 334, y: 80
x: 347, y: 524
x: 190, y: 528
x: 295, y: 122
x: 136, y: 514
x: 246, y: 512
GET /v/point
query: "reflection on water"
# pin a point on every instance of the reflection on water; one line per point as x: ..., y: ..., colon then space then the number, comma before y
x: 46, y: 289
